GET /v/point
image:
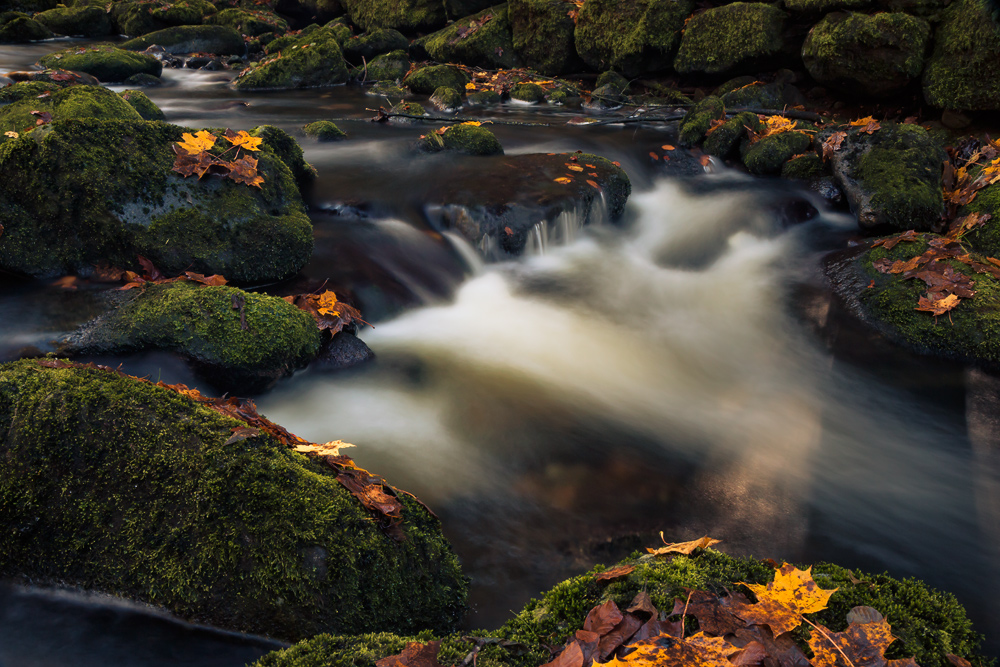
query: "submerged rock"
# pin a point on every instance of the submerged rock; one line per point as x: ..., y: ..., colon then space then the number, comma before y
x: 963, y: 72
x: 738, y: 37
x: 483, y: 40
x: 216, y: 39
x: 108, y: 63
x: 123, y: 487
x: 310, y: 61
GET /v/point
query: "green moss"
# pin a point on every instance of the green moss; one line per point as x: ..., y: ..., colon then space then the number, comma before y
x: 107, y: 63
x: 324, y: 130
x: 373, y: 43
x: 76, y: 21
x: 426, y: 80
x: 964, y: 70
x: 20, y: 29
x: 27, y: 90
x: 66, y: 103
x: 734, y: 37
x: 614, y: 79
x: 405, y: 15
x: 284, y: 146
x: 386, y: 89
x: 696, y: 122
x: 311, y: 61
x: 341, y: 31
x: 387, y: 67
x: 817, y: 7
x: 446, y: 99
x: 528, y: 92
x: 876, y: 55
x: 409, y: 108
x: 139, y: 101
x: 184, y: 13
x: 128, y: 488
x: 543, y: 36
x: 632, y: 37
x: 483, y: 98
x: 755, y: 96
x: 766, y: 156
x: 483, y: 40
x: 985, y: 239
x: 217, y: 39
x: 462, y: 138
x: 252, y: 23
x: 804, y: 167
x: 725, y: 139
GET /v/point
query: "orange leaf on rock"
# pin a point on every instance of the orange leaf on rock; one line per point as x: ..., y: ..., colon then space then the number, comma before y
x: 616, y: 573
x: 833, y: 143
x: 937, y: 307
x: 781, y: 603
x: 214, y: 280
x: 563, y: 179
x: 686, y: 548
x: 574, y: 167
x: 867, y: 125
x: 861, y: 643
x: 593, y: 184
x: 243, y: 140
x: 198, y: 142
x: 244, y: 170
x: 331, y: 448
x: 603, y: 618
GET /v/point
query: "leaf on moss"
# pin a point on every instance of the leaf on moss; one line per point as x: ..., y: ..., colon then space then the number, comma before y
x: 781, y: 603
x: 244, y: 170
x: 414, y: 655
x: 242, y: 139
x: 331, y: 448
x: 698, y: 650
x: 860, y: 644
x: 196, y: 143
x: 685, y: 548
x: 615, y: 573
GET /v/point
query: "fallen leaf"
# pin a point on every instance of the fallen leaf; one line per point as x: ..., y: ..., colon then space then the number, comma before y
x: 243, y: 140
x: 244, y: 170
x: 832, y: 144
x: 861, y: 644
x: 685, y: 548
x: 615, y: 573
x: 198, y: 142
x: 653, y: 155
x: 697, y: 650
x: 331, y: 448
x: 666, y: 147
x: 42, y: 117
x: 603, y: 618
x: 12, y: 134
x: 414, y: 655
x: 242, y: 433
x: 866, y: 125
x: 593, y: 184
x: 937, y: 306
x: 574, y: 167
x: 781, y: 603
x: 563, y: 179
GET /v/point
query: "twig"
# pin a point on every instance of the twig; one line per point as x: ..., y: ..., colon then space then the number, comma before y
x: 382, y: 114
x: 684, y: 615
x: 364, y: 76
x: 833, y: 643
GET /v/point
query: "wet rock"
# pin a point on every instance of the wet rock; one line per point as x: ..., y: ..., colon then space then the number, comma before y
x: 77, y: 192
x: 373, y: 43
x: 405, y: 15
x: 828, y: 190
x: 530, y: 93
x: 139, y: 101
x: 343, y: 351
x: 140, y: 18
x: 963, y: 72
x: 391, y: 66
x: 144, y: 80
x: 76, y: 21
x: 612, y: 78
x: 313, y: 60
x: 255, y: 24
x: 605, y: 98
x: 891, y: 178
x: 483, y: 98
x: 18, y: 28
x: 875, y: 55
x: 461, y: 138
x: 324, y: 130
x: 72, y: 102
x: 426, y: 80
x: 543, y: 36
x: 137, y: 491
x: 482, y: 40
x: 446, y: 99
x: 387, y: 89
x: 725, y: 139
x: 408, y: 108
x: 495, y: 202
x: 804, y: 168
x: 699, y: 118
x: 286, y: 149
x: 630, y: 36
x: 985, y: 239
x: 22, y: 90
x: 741, y: 36
x: 755, y: 95
x: 51, y: 80
x: 107, y: 63
x: 770, y: 153
x: 216, y: 39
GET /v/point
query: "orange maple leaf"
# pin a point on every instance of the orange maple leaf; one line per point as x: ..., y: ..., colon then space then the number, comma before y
x: 196, y: 143
x: 331, y: 448
x: 867, y: 124
x: 243, y: 140
x: 686, y: 548
x: 781, y: 603
x: 244, y: 170
x: 328, y: 304
x: 860, y: 643
x: 696, y: 651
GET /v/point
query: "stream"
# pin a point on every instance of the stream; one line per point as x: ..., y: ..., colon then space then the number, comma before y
x: 686, y: 370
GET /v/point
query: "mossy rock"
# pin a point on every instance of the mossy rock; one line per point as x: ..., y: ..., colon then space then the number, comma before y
x: 242, y: 349
x: 124, y: 487
x: 76, y: 21
x: 726, y: 138
x: 140, y: 18
x: 373, y: 43
x: 324, y: 130
x: 963, y: 72
x: 446, y: 99
x: 766, y: 156
x: 144, y: 80
x: 927, y: 623
x: 985, y: 239
x: 804, y: 167
x: 139, y: 101
x: 387, y: 89
x: 21, y: 29
x: 28, y: 90
x: 77, y: 192
x: 341, y: 32
x: 481, y: 40
x: 483, y: 98
x: 461, y: 138
x: 408, y: 108
x: 312, y: 61
x: 456, y: 9
x: 317, y: 11
x: 612, y: 78
x: 405, y: 15
x: 530, y: 93
x: 699, y: 118
x: 286, y: 149
x: 605, y: 97
x: 892, y: 178
x: 630, y: 36
x: 217, y: 39
x: 875, y: 55
x: 388, y: 67
x: 286, y: 41
x: 108, y: 63
x: 96, y: 102
x: 252, y: 23
x: 543, y: 36
x: 426, y: 80
x: 754, y: 95
x: 741, y: 36
x: 821, y: 7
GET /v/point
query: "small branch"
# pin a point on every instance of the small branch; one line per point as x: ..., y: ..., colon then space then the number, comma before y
x: 684, y: 615
x: 383, y: 115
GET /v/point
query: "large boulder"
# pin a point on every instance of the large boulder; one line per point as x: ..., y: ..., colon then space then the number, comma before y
x: 138, y: 18
x: 76, y: 21
x: 313, y: 60
x: 767, y: 155
x: 875, y: 55
x: 18, y: 28
x: 468, y: 138
x: 426, y: 80
x: 250, y: 23
x: 543, y: 36
x: 124, y: 487
x: 631, y: 36
x: 482, y: 40
x: 892, y: 178
x: 145, y: 107
x: 963, y: 72
x: 363, y: 48
x: 735, y: 38
x: 108, y: 63
x: 67, y: 103
x: 77, y: 192
x: 391, y: 66
x: 406, y: 15
x: 217, y: 39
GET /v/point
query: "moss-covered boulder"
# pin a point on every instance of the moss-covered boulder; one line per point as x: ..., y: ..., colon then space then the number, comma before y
x: 804, y: 167
x: 406, y: 15
x: 285, y: 148
x: 927, y: 623
x: 63, y: 104
x: 770, y: 153
x: 108, y: 63
x: 725, y: 139
x: 316, y: 11
x: 528, y: 93
x: 218, y: 39
x: 375, y: 42
x: 17, y: 28
x: 76, y: 21
x: 139, y: 18
x: 408, y: 109
x: 482, y: 40
x: 734, y: 38
x: 128, y: 488
x: 461, y: 138
x: 426, y: 80
x: 892, y: 178
x: 963, y: 72
x: 324, y: 130
x: 483, y: 98
x: 24, y: 90
x: 386, y: 89
x: 699, y: 118
x: 241, y: 341
x: 311, y: 61
x: 608, y: 96
x: 875, y: 55
x: 76, y: 192
x: 820, y: 7
x: 755, y: 95
x: 630, y: 36
x: 252, y: 23
x: 391, y: 66
x: 543, y: 36
x: 139, y: 101
x: 446, y: 99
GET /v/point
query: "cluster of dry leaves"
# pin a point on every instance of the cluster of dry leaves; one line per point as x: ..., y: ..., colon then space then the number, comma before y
x: 498, y: 81
x: 577, y: 6
x: 330, y: 314
x: 960, y: 186
x: 732, y: 630
x: 577, y: 169
x: 194, y: 158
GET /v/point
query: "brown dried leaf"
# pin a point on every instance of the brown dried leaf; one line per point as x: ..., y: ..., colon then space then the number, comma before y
x: 242, y: 433
x: 861, y: 644
x: 937, y: 307
x: 616, y: 573
x: 833, y: 143
x: 686, y: 548
x: 414, y: 655
x: 695, y: 651
x: 603, y: 618
x: 331, y: 448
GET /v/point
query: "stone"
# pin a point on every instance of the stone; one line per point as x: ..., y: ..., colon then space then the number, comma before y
x: 108, y: 63
x: 461, y: 138
x: 446, y: 99
x: 404, y: 15
x: 324, y: 130
x: 699, y: 118
x: 216, y: 39
x: 139, y: 101
x: 313, y: 60
x: 76, y: 21
x: 770, y: 153
x: 543, y: 36
x: 481, y: 40
x: 373, y: 43
x: 17, y: 28
x: 734, y: 38
x: 426, y: 80
x: 963, y: 72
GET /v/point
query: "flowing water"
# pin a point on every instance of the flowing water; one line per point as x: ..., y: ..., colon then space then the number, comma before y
x: 686, y: 370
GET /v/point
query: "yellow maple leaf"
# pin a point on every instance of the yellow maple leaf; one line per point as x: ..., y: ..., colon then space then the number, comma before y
x: 781, y: 603
x: 243, y: 140
x: 12, y: 134
x: 198, y: 142
x: 331, y: 448
x: 328, y: 304
x: 470, y: 86
x: 474, y: 123
x: 777, y: 124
